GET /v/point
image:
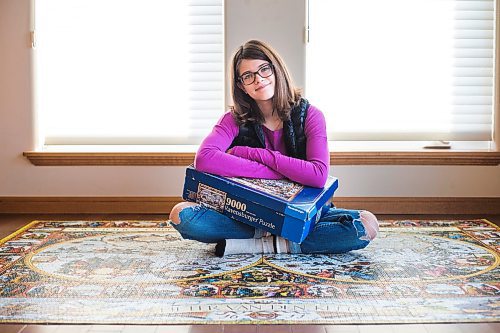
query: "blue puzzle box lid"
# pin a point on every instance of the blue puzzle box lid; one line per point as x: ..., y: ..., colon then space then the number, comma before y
x: 284, y: 196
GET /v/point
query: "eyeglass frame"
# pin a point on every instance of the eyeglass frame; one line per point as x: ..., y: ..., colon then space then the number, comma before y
x: 240, y: 78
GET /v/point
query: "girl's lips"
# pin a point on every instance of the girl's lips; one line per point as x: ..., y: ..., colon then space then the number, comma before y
x: 259, y: 88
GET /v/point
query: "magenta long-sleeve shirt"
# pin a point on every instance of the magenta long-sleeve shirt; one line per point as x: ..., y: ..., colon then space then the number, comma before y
x: 270, y: 162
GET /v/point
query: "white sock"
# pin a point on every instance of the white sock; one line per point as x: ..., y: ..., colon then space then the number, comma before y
x: 251, y: 245
x: 282, y: 245
x: 256, y: 245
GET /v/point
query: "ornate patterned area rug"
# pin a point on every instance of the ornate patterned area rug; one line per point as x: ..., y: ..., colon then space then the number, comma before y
x: 142, y: 272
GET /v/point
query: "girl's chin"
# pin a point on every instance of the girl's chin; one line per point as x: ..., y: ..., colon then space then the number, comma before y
x: 263, y: 97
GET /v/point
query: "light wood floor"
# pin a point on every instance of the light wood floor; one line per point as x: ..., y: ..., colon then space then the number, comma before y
x: 11, y: 222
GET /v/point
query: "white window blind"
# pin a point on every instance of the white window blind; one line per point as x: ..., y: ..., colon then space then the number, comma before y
x: 128, y: 71
x: 402, y: 69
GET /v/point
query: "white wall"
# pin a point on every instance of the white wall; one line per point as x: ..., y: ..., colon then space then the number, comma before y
x: 18, y: 127
x: 278, y: 22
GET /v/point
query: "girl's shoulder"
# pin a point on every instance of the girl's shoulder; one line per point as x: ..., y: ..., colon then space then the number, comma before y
x: 228, y: 122
x: 313, y: 113
x: 312, y: 109
x: 227, y: 119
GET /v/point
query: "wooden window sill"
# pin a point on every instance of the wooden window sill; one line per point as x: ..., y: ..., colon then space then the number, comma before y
x: 339, y: 155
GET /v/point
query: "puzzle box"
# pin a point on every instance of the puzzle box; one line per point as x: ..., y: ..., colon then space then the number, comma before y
x: 282, y: 207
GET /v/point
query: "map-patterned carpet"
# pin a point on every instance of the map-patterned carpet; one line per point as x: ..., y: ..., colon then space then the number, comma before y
x: 142, y: 272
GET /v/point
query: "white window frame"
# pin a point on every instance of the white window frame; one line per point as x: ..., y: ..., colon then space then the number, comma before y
x: 394, y: 138
x: 197, y: 107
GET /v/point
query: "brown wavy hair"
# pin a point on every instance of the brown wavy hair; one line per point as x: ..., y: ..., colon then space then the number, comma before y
x: 286, y: 95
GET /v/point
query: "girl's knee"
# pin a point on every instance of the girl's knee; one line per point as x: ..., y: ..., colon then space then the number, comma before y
x: 174, y: 213
x: 370, y: 223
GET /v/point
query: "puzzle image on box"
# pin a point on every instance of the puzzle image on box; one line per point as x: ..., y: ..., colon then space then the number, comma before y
x: 211, y: 197
x: 281, y: 188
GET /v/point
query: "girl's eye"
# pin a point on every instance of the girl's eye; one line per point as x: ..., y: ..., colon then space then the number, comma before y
x: 265, y: 69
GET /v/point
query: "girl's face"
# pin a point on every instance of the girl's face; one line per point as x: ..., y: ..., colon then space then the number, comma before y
x: 262, y: 87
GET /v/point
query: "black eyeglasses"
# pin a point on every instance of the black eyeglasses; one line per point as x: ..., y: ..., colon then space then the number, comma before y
x: 249, y: 77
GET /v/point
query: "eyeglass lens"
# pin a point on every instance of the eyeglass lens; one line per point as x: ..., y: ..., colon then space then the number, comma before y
x: 264, y: 71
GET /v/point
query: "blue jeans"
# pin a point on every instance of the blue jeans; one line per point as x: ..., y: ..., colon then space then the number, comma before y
x: 337, y: 231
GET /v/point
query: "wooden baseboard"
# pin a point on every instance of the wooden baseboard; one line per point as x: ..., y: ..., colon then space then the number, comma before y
x: 422, y: 205
x: 77, y: 205
x: 163, y: 205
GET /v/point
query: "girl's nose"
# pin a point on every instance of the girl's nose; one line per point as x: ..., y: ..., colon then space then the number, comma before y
x: 258, y: 79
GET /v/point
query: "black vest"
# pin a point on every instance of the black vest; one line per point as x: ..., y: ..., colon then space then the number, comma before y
x: 252, y: 135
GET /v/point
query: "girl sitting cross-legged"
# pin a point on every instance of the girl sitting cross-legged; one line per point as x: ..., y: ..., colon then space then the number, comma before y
x: 271, y: 132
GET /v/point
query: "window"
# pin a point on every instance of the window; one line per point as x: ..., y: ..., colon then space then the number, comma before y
x: 128, y: 72
x: 402, y: 69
